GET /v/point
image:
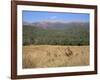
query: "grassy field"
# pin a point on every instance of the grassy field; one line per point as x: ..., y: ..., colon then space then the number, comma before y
x: 40, y: 56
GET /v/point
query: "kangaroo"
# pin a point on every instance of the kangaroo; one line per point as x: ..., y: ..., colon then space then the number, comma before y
x: 68, y: 52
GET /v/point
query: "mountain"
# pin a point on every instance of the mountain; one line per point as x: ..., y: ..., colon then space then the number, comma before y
x: 58, y: 24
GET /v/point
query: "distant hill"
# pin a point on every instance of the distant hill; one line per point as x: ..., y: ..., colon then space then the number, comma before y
x: 57, y: 25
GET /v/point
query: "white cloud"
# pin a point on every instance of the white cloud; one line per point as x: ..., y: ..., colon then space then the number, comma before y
x: 53, y: 17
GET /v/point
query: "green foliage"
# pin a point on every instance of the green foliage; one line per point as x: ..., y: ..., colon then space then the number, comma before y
x: 68, y: 36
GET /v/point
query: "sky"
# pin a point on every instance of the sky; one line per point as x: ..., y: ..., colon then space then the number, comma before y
x: 37, y: 16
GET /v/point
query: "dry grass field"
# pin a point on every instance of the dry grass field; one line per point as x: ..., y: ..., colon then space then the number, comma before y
x: 40, y: 56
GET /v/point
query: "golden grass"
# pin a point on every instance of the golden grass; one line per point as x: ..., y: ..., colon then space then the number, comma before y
x: 39, y: 56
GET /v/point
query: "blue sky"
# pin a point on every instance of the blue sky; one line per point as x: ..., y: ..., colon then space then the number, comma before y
x: 35, y: 16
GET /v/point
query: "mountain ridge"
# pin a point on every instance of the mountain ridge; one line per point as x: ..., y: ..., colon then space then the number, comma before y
x: 56, y: 24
